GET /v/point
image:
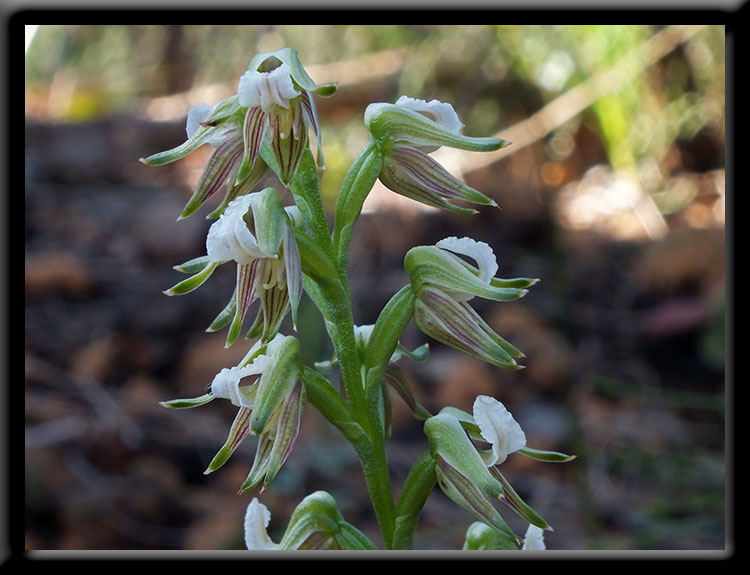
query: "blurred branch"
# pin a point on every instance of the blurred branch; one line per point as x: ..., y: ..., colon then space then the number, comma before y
x: 106, y: 408
x: 371, y: 68
x: 574, y: 101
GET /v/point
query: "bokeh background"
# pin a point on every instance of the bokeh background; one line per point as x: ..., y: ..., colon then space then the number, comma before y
x: 613, y: 194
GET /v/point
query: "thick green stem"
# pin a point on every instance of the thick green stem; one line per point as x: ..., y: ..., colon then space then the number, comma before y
x: 371, y: 452
x: 360, y: 422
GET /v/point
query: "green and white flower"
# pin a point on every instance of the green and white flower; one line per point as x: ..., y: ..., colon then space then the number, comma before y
x: 219, y: 126
x: 277, y: 94
x: 470, y: 474
x: 316, y: 524
x: 405, y: 133
x: 255, y: 231
x: 444, y: 284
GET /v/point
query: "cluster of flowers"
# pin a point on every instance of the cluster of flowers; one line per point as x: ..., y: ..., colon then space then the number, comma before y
x: 265, y: 128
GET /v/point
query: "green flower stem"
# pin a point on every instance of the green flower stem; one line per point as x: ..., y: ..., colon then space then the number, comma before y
x: 306, y: 190
x: 418, y: 486
x: 358, y: 418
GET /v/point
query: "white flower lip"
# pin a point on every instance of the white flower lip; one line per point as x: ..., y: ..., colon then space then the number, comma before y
x: 226, y: 383
x: 363, y: 332
x: 267, y: 89
x: 534, y: 539
x: 198, y: 114
x: 498, y: 427
x: 229, y: 237
x: 257, y: 518
x: 478, y: 251
x: 440, y: 112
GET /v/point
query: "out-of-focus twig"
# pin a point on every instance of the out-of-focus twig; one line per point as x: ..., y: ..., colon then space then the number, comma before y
x: 374, y: 67
x: 106, y: 408
x: 574, y: 101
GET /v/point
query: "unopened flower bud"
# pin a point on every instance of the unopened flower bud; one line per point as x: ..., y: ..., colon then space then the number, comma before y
x: 317, y: 523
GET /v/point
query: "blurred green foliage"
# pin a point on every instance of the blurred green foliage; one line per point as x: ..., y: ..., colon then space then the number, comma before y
x: 475, y: 63
x: 495, y: 76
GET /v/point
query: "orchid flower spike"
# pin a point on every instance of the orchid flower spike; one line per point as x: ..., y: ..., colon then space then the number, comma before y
x: 405, y: 133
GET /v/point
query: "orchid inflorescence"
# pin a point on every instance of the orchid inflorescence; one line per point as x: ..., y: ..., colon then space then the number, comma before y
x: 282, y: 251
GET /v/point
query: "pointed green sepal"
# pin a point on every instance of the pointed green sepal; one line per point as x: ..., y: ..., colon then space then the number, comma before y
x: 193, y: 266
x: 465, y: 493
x: 514, y: 501
x: 547, y: 456
x: 457, y: 325
x: 211, y: 127
x: 391, y: 123
x: 225, y: 316
x: 193, y: 282
x: 433, y: 266
x: 449, y: 442
x: 188, y: 403
x: 270, y: 220
x: 237, y: 432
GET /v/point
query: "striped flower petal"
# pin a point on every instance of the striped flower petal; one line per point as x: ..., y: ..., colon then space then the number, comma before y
x: 253, y: 131
x: 244, y: 295
x: 237, y: 432
x: 457, y: 325
x: 219, y: 174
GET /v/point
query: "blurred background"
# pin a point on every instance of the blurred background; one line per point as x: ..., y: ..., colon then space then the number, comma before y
x: 613, y: 194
